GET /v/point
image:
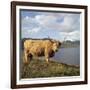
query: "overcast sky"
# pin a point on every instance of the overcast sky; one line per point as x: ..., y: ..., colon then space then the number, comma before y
x: 55, y: 25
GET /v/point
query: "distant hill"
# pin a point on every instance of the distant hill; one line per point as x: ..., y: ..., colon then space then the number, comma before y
x: 67, y: 44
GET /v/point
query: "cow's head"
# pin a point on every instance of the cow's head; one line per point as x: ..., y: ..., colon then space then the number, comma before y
x: 56, y: 45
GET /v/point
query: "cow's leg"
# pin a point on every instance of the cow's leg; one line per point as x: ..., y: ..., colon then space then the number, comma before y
x: 46, y: 56
x: 47, y: 60
x: 30, y: 56
x: 26, y: 56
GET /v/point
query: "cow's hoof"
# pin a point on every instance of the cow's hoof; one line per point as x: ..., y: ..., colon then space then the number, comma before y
x: 26, y: 63
x: 47, y: 62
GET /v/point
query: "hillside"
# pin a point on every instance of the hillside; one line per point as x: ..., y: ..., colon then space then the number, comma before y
x: 39, y: 68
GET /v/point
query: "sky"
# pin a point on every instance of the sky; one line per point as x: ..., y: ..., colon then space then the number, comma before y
x: 59, y: 26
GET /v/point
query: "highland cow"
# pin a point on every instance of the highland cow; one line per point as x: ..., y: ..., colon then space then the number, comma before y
x: 42, y: 47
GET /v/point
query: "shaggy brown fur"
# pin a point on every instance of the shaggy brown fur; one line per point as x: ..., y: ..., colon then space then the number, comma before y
x: 45, y: 48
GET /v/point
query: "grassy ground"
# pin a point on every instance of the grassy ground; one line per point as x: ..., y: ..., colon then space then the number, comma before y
x: 39, y: 68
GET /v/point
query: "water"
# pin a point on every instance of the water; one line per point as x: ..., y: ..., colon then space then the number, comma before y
x: 68, y: 56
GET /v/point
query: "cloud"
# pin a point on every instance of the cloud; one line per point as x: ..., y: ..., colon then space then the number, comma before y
x: 75, y: 35
x: 62, y: 23
x: 29, y: 23
x: 34, y: 30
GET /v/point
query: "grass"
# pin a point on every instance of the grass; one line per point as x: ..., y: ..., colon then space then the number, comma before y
x: 39, y: 68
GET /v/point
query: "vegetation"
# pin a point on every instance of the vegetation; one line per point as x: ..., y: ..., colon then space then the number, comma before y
x: 39, y: 68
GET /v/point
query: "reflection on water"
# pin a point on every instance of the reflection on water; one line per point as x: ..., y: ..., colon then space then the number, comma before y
x: 68, y: 56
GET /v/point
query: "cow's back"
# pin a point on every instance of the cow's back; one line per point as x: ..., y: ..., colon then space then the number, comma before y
x: 32, y: 43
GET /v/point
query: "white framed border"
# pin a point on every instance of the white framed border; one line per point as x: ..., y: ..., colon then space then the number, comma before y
x: 51, y: 79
